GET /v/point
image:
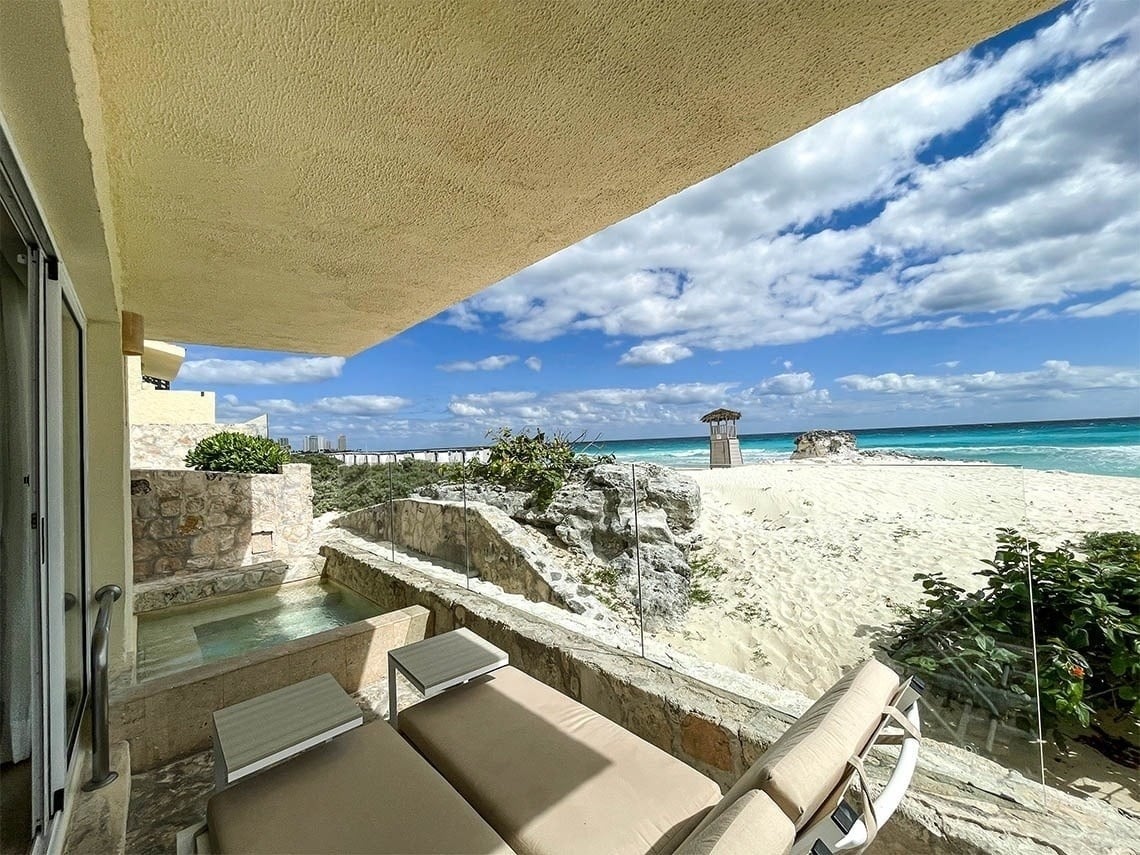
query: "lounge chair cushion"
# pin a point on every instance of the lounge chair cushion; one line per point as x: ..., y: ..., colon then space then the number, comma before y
x: 801, y: 768
x: 751, y: 825
x: 552, y: 776
x: 367, y: 791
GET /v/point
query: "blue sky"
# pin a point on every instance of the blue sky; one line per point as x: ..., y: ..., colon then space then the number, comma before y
x: 962, y: 247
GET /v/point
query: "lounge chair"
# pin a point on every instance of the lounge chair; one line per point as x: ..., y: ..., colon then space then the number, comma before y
x: 507, y: 764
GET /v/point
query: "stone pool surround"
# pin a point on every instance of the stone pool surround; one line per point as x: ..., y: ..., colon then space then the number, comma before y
x: 170, y: 717
x: 164, y: 593
x: 185, y: 521
x: 957, y: 801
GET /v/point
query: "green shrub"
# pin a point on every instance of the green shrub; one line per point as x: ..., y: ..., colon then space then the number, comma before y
x: 531, y: 463
x: 237, y: 452
x: 347, y: 488
x: 1087, y: 612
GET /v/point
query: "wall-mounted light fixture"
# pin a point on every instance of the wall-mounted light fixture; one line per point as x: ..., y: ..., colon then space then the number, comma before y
x: 132, y: 334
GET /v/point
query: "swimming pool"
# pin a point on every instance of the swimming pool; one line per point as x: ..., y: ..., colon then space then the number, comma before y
x: 184, y: 637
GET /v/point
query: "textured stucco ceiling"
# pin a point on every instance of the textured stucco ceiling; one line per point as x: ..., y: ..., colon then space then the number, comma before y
x: 320, y: 175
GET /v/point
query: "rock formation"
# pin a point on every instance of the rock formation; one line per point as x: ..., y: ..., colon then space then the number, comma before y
x: 592, y: 515
x: 825, y: 443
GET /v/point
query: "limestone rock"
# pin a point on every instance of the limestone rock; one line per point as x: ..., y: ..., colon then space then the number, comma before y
x: 825, y: 443
x: 592, y: 514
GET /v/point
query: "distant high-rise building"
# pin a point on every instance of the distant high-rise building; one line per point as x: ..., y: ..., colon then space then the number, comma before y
x: 284, y: 442
x: 312, y: 443
x: 342, y: 443
x: 325, y: 445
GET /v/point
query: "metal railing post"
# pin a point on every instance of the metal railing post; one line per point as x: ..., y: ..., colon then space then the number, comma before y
x: 101, y: 773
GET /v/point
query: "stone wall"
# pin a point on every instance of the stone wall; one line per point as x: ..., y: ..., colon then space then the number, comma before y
x: 957, y: 802
x: 165, y: 446
x: 171, y: 717
x: 186, y: 521
x: 167, y: 591
x: 491, y: 539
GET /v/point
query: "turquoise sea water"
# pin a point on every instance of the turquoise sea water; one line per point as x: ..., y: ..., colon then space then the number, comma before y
x: 1093, y: 446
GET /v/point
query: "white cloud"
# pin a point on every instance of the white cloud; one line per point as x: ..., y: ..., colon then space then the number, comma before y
x: 950, y: 363
x: 787, y: 363
x: 533, y: 363
x: 1129, y: 301
x: 593, y: 408
x: 787, y: 384
x: 490, y: 363
x: 1043, y: 212
x: 249, y: 372
x: 1055, y: 378
x: 655, y: 353
x: 359, y: 405
x: 318, y: 411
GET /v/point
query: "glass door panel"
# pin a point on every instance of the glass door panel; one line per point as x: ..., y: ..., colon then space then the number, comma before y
x: 71, y: 529
x: 21, y: 701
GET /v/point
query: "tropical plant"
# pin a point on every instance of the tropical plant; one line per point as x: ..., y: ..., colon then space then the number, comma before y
x: 531, y: 463
x: 346, y: 488
x: 1086, y: 613
x: 229, y: 451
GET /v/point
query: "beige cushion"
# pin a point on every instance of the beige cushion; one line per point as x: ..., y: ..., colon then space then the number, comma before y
x: 367, y: 791
x: 803, y: 766
x: 551, y: 775
x: 751, y: 825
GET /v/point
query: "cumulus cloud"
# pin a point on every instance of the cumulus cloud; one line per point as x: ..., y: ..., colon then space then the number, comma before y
x: 1054, y: 378
x: 250, y: 372
x: 1129, y: 301
x: 853, y: 225
x: 490, y: 363
x: 533, y: 363
x: 787, y: 384
x: 655, y: 353
x: 593, y: 408
x: 320, y: 409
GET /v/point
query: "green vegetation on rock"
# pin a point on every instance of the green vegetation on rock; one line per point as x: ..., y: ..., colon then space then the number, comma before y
x: 347, y: 488
x: 531, y: 463
x: 229, y: 451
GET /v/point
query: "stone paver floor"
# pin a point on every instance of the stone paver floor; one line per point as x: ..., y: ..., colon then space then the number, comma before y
x: 174, y: 796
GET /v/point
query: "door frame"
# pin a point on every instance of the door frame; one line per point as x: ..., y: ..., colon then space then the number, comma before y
x: 55, y: 745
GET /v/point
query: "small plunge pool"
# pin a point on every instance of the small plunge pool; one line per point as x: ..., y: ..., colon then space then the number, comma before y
x: 184, y: 637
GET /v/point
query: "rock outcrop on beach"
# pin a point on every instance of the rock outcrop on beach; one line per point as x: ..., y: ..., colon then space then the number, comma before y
x: 825, y: 443
x: 592, y: 515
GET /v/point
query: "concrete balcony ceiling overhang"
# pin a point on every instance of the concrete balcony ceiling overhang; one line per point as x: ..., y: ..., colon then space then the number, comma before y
x: 321, y: 175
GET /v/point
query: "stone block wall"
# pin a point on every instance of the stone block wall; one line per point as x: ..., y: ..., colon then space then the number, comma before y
x: 186, y: 521
x: 165, y: 446
x: 487, y: 537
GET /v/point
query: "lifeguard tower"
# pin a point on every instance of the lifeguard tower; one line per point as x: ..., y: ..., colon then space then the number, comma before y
x: 724, y: 446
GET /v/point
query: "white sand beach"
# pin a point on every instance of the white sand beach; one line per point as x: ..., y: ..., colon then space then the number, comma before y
x: 817, y: 555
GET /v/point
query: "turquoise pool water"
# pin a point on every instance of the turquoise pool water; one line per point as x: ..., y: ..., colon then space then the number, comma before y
x: 184, y: 637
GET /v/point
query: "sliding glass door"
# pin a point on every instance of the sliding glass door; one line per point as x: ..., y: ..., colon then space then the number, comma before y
x: 44, y: 592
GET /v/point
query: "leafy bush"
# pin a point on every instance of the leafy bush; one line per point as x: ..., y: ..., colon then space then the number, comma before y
x: 531, y: 463
x: 347, y: 488
x: 1087, y: 612
x: 237, y: 452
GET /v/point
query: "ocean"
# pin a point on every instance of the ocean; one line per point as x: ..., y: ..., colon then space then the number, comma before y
x: 1092, y: 446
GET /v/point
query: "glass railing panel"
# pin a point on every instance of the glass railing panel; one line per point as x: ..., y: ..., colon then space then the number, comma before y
x: 799, y: 571
x: 1083, y: 534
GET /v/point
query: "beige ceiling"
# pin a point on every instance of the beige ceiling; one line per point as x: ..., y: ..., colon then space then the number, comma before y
x: 318, y: 176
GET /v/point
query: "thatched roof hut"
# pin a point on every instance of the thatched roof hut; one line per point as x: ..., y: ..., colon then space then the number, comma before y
x: 721, y: 415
